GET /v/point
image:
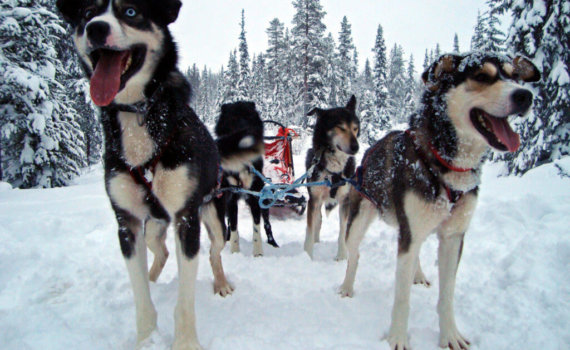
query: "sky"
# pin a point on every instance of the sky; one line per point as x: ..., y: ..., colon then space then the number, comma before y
x: 206, y: 31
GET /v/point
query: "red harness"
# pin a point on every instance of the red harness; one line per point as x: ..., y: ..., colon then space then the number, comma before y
x: 453, y: 195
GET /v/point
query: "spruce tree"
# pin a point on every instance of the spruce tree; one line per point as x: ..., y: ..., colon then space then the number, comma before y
x: 308, y: 36
x: 244, y: 71
x: 41, y: 143
x: 455, y: 44
x: 478, y: 38
x: 346, y: 66
x: 543, y: 37
x: 396, y: 85
x: 380, y: 81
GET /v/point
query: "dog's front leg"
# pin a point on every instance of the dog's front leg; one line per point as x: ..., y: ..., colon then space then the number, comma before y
x: 343, y: 218
x: 405, y: 269
x: 361, y: 214
x: 187, y: 246
x: 213, y: 218
x: 268, y: 230
x: 133, y: 247
x: 253, y: 204
x: 449, y: 254
x: 233, y: 221
x: 314, y: 220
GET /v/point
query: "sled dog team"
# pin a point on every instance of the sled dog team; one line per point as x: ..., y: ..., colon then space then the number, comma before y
x: 160, y: 162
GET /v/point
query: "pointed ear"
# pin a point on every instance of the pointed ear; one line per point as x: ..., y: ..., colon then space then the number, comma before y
x: 525, y: 69
x: 168, y: 11
x: 351, y: 105
x: 68, y: 9
x: 225, y: 108
x: 433, y: 76
x: 316, y: 111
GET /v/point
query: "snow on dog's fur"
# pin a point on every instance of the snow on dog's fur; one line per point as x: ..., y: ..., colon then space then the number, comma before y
x: 160, y: 161
x: 334, y: 145
x: 426, y: 179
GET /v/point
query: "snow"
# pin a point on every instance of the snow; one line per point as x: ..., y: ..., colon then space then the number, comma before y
x: 63, y: 282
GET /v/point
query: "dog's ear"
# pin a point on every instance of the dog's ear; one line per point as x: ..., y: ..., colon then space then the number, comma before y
x: 525, y: 69
x: 250, y: 105
x: 225, y: 108
x: 316, y: 111
x: 351, y: 105
x: 68, y: 9
x: 168, y: 10
x: 433, y: 76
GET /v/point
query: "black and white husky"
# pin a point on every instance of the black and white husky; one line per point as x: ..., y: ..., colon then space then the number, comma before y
x: 160, y: 161
x: 239, y: 123
x: 332, y: 157
x: 426, y: 179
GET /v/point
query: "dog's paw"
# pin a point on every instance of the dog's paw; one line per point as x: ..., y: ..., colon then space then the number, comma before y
x: 154, y: 341
x: 453, y: 340
x: 346, y: 291
x: 234, y: 247
x: 309, y: 248
x: 186, y: 344
x: 398, y: 341
x: 246, y: 142
x: 223, y: 288
x: 340, y: 255
x: 421, y: 279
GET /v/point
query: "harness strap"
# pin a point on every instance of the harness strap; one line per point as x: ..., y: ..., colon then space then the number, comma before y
x: 438, y: 155
x: 453, y: 195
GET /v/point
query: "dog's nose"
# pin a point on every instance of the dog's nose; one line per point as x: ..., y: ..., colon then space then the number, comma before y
x: 354, y: 146
x: 97, y: 33
x: 522, y: 99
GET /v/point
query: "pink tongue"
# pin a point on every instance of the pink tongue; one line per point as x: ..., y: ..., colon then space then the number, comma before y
x: 505, y: 134
x: 106, y: 80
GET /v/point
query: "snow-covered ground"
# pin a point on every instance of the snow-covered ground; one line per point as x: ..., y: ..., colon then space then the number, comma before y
x: 64, y: 285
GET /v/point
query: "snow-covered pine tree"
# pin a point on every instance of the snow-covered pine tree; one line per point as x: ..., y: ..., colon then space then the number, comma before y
x: 455, y: 44
x: 230, y: 80
x: 396, y: 85
x: 333, y: 79
x: 308, y: 36
x: 411, y: 88
x: 437, y: 52
x: 493, y: 36
x: 427, y: 62
x: 41, y: 143
x: 379, y: 75
x: 346, y: 66
x: 540, y: 30
x: 478, y: 38
x: 244, y: 81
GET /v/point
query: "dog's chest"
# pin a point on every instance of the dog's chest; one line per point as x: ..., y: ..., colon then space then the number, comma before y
x: 243, y: 179
x: 335, y: 161
x: 138, y: 146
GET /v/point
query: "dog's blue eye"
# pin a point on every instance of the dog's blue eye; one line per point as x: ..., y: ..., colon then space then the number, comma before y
x: 130, y: 12
x: 89, y: 13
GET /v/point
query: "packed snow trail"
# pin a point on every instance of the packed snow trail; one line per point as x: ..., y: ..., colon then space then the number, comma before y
x: 64, y: 285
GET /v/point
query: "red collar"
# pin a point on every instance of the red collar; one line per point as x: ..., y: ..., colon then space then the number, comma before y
x: 438, y: 156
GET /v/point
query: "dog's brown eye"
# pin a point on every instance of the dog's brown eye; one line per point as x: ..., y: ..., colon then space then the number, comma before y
x: 341, y: 128
x: 482, y: 78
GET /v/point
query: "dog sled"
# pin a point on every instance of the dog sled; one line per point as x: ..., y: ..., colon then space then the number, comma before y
x: 279, y: 166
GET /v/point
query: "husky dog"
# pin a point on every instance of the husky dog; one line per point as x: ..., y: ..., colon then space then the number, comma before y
x: 426, y: 179
x: 334, y: 145
x: 240, y: 123
x: 160, y: 161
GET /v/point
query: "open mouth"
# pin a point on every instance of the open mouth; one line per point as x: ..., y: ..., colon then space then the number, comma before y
x: 112, y: 69
x: 496, y: 130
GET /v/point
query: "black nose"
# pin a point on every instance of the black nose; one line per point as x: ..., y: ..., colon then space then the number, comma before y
x: 97, y: 33
x: 354, y: 146
x: 522, y: 99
